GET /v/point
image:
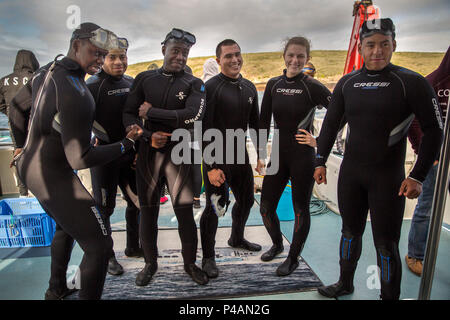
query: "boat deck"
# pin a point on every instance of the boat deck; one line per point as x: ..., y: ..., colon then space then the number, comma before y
x: 24, y: 272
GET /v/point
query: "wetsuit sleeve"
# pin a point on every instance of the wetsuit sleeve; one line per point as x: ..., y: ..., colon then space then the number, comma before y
x: 330, y: 126
x: 424, y: 104
x: 254, y: 124
x: 415, y: 135
x: 76, y: 117
x: 320, y: 94
x: 208, y: 119
x: 266, y: 118
x: 19, y: 115
x: 135, y: 98
x: 183, y: 118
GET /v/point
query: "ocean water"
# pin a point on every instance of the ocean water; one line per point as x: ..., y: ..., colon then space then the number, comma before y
x: 4, y: 134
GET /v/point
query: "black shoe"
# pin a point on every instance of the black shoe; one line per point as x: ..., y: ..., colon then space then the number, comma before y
x: 335, y: 290
x: 146, y: 274
x: 244, y: 244
x: 287, y: 267
x: 52, y: 295
x: 134, y: 252
x: 196, y: 273
x: 197, y: 204
x: 114, y: 268
x: 272, y: 252
x: 209, y: 266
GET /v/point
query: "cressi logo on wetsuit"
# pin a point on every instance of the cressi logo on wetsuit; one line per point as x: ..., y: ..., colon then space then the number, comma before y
x: 371, y: 85
x: 118, y: 92
x: 289, y: 91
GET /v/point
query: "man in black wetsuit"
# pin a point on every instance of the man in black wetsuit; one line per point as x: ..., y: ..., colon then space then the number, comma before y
x: 379, y: 102
x: 57, y: 142
x: 232, y: 103
x: 110, y: 88
x: 166, y: 99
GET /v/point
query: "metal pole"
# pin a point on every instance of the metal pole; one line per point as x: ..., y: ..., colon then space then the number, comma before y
x: 437, y: 215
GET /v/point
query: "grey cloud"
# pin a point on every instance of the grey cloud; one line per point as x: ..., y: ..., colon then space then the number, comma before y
x: 258, y: 25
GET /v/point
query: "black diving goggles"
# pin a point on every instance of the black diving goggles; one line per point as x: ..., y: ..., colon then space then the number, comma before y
x: 179, y: 34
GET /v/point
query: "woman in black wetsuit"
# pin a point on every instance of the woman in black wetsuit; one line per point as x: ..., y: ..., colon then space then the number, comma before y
x: 292, y: 99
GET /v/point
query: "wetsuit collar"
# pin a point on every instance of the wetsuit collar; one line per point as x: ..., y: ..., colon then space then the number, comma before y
x: 71, y: 65
x: 388, y: 68
x: 170, y: 74
x: 224, y: 77
x: 104, y: 74
x: 300, y: 76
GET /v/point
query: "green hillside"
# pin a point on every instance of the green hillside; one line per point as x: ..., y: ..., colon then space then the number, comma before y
x: 260, y: 67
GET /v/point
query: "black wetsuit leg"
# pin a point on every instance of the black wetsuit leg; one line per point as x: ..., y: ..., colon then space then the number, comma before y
x: 302, y: 169
x: 242, y: 186
x: 296, y: 163
x: 76, y: 211
x: 127, y: 183
x: 209, y: 220
x: 239, y: 178
x: 353, y: 206
x: 272, y: 189
x: 152, y: 165
x: 105, y: 180
x: 374, y: 188
x: 386, y: 212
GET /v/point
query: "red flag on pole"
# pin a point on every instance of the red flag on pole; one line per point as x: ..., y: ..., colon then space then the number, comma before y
x: 362, y: 11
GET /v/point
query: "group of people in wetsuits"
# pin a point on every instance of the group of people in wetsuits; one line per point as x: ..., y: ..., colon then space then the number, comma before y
x: 133, y: 122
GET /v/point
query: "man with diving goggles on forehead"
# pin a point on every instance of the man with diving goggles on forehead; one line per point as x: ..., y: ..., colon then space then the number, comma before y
x: 57, y: 142
x: 166, y: 99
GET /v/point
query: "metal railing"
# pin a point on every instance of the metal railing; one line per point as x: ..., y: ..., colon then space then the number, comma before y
x: 437, y: 215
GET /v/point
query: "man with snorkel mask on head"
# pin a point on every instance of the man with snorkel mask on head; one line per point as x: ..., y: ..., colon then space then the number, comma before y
x: 58, y: 142
x: 166, y: 99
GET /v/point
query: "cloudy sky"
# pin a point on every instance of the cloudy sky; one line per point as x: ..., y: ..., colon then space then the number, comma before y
x: 258, y: 25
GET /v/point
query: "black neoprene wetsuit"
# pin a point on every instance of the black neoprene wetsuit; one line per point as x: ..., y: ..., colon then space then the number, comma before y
x: 378, y: 107
x: 110, y: 94
x: 47, y: 166
x: 292, y: 102
x: 230, y: 104
x: 178, y: 99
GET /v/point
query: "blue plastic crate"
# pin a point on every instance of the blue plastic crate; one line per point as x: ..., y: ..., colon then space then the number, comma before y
x: 21, y: 206
x: 10, y: 233
x: 23, y: 223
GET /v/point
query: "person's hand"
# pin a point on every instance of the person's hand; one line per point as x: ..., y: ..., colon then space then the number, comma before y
x: 216, y: 177
x: 410, y: 189
x: 15, y: 154
x: 305, y: 138
x: 135, y: 132
x: 143, y: 109
x: 159, y: 139
x: 320, y: 175
x: 261, y: 167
